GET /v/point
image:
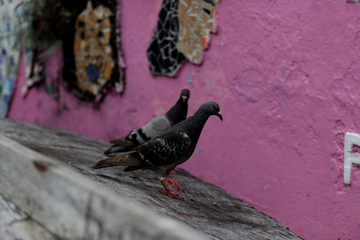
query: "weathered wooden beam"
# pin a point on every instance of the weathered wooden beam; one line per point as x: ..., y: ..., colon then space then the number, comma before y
x: 35, y: 176
x: 73, y: 207
x: 15, y: 224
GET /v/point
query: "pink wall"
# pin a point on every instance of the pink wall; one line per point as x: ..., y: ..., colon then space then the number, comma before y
x: 287, y: 77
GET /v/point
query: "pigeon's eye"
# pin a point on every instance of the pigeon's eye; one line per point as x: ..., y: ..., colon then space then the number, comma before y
x: 214, y: 107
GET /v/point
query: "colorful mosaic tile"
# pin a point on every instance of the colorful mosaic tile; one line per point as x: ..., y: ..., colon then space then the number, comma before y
x: 93, y: 59
x: 196, y: 20
x: 9, y: 51
x: 182, y: 33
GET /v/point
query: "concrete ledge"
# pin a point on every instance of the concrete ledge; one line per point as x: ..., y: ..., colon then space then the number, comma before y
x: 40, y: 174
x: 71, y: 206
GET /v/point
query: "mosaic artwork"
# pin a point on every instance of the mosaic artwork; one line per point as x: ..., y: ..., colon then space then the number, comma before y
x: 92, y: 51
x: 196, y: 20
x: 163, y: 54
x: 9, y: 51
x: 182, y: 33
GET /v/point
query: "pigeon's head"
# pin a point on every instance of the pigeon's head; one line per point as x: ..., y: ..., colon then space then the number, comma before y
x: 211, y: 108
x: 185, y: 94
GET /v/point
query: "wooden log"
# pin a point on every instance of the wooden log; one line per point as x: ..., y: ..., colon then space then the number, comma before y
x: 15, y: 224
x: 37, y: 175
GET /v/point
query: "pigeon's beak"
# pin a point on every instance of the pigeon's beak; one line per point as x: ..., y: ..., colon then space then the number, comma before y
x: 184, y: 98
x: 220, y: 116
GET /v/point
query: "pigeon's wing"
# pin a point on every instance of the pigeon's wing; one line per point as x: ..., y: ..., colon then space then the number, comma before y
x: 164, y: 149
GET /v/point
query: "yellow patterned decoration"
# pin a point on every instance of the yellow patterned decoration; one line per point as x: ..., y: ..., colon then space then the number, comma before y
x: 196, y: 20
x: 93, y: 52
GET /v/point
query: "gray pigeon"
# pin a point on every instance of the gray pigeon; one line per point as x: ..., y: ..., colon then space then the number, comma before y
x: 167, y: 150
x: 153, y: 128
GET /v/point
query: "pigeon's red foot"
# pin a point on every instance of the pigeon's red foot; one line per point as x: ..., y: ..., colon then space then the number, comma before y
x: 170, y: 194
x: 172, y: 181
x: 165, y: 182
x: 173, y: 172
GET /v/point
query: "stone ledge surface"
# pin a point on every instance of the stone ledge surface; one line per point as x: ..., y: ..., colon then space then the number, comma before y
x: 39, y: 178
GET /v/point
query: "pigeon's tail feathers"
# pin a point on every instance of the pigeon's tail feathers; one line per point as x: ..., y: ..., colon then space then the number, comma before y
x: 117, y: 149
x: 119, y: 145
x: 133, y: 168
x: 102, y: 164
x: 119, y: 160
x: 122, y: 142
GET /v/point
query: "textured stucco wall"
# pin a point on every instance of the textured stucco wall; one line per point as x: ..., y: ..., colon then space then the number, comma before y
x: 287, y: 77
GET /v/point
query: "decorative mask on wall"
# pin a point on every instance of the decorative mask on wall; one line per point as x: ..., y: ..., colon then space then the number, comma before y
x: 93, y: 53
x: 182, y: 33
x: 93, y: 58
x: 89, y: 32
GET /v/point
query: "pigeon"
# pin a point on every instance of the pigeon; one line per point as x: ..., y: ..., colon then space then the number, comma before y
x: 156, y: 126
x: 167, y: 150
